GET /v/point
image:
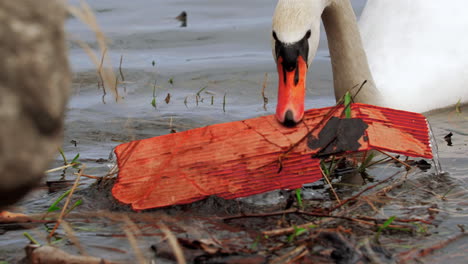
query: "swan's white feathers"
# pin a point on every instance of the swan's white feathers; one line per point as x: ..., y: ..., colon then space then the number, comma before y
x: 293, y: 18
x: 417, y: 49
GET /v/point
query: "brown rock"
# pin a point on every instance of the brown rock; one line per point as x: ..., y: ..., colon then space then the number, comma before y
x: 34, y: 87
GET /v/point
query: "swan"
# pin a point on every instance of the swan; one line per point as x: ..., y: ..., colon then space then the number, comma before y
x: 413, y: 53
x: 34, y: 87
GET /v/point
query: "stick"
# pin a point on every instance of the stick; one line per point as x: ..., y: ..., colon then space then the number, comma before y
x: 62, y: 213
x: 331, y: 186
x: 361, y: 192
x: 291, y: 255
x: 408, y: 167
x: 100, y: 75
x: 265, y: 99
x: 179, y: 254
x: 62, y: 167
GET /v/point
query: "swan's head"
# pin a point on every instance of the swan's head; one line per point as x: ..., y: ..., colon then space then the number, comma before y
x: 295, y: 37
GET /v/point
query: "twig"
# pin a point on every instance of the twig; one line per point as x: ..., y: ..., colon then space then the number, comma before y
x: 417, y: 253
x: 408, y: 167
x: 85, y: 14
x: 224, y: 102
x: 329, y: 183
x: 289, y: 230
x: 291, y: 255
x: 129, y: 231
x: 92, y: 177
x: 116, y: 88
x: 361, y: 192
x: 59, y: 220
x: 264, y: 85
x: 121, y: 74
x: 296, y: 211
x: 74, y: 240
x: 120, y: 69
x: 179, y: 254
x: 62, y: 167
x: 400, y: 220
x: 100, y: 75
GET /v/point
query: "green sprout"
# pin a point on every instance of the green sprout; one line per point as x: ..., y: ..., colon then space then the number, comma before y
x: 384, y: 226
x: 347, y: 104
x: 299, y: 197
x: 153, y: 102
x: 65, y: 162
x: 367, y: 163
x: 54, y: 206
x: 297, y: 232
x: 458, y: 106
x: 28, y: 236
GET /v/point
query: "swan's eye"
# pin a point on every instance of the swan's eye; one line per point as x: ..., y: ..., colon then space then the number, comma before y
x: 274, y: 36
x: 307, y: 35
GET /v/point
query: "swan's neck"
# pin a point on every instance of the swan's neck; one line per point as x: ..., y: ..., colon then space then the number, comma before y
x: 349, y: 61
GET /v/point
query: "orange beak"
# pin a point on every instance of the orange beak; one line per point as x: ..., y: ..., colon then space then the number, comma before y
x: 291, y: 92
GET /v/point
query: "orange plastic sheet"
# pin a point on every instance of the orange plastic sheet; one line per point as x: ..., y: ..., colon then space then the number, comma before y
x: 243, y: 158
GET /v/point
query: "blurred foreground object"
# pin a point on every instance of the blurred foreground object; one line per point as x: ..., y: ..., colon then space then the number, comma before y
x: 34, y: 88
x: 51, y: 255
x: 257, y: 155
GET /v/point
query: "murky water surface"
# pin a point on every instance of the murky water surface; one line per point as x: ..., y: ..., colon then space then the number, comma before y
x: 226, y: 50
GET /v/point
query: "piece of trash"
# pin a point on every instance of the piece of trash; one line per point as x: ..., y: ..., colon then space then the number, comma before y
x: 168, y: 98
x: 253, y: 156
x: 448, y: 139
x: 74, y: 142
x: 338, y: 135
x: 423, y: 165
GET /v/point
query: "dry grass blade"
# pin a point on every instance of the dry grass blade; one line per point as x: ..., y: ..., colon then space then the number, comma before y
x: 286, y: 230
x: 331, y: 186
x: 264, y: 85
x: 361, y: 192
x: 120, y: 69
x: 408, y: 167
x: 130, y: 229
x: 71, y: 235
x: 179, y: 254
x: 292, y: 255
x: 64, y: 209
x: 61, y: 167
x: 105, y: 71
x: 415, y: 254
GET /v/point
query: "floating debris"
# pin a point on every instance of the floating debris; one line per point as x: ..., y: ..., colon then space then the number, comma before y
x: 168, y: 98
x: 448, y: 139
x: 182, y: 18
x: 257, y: 155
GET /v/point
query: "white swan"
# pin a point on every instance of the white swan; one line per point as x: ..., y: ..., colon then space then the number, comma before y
x: 417, y: 52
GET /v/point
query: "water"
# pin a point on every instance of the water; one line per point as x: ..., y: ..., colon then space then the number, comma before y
x: 435, y: 151
x: 225, y: 48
